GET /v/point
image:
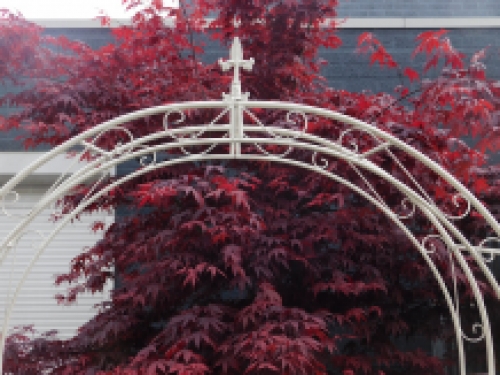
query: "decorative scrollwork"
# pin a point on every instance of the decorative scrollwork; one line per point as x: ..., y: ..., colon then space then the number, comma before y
x: 456, y: 202
x: 324, y: 162
x: 488, y: 256
x: 121, y: 148
x: 456, y: 198
x: 4, y: 203
x: 288, y: 120
x: 477, y: 329
x: 34, y: 243
x: 143, y: 160
x: 167, y: 125
x: 148, y: 160
x: 354, y: 146
x: 409, y: 207
x: 352, y: 143
x: 428, y: 243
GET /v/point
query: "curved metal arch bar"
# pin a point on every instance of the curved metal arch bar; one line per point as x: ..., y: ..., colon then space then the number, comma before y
x: 76, y: 140
x: 281, y: 106
x: 435, y: 167
x: 358, y: 124
x: 337, y: 150
x: 142, y: 152
x: 343, y: 154
x: 371, y: 167
x: 272, y: 105
x: 384, y: 209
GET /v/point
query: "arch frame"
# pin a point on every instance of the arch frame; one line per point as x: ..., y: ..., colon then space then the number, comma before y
x: 235, y: 135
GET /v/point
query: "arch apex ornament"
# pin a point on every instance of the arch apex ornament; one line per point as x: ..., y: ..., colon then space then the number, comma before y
x: 237, y: 62
x: 275, y: 138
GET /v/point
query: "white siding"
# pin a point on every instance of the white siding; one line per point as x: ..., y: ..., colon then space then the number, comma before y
x: 36, y: 303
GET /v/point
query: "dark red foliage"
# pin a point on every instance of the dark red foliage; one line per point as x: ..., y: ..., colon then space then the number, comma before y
x: 251, y: 268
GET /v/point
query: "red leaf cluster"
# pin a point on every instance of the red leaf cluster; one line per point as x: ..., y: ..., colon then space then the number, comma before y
x: 251, y: 268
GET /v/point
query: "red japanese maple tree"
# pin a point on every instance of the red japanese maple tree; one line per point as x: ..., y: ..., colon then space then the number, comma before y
x: 249, y: 267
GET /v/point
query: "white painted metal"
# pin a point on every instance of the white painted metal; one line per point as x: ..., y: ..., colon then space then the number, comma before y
x: 12, y: 162
x: 250, y: 141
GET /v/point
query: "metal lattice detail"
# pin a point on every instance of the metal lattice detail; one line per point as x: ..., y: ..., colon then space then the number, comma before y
x: 237, y: 131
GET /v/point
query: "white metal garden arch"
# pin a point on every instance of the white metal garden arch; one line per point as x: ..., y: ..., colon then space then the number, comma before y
x: 249, y: 138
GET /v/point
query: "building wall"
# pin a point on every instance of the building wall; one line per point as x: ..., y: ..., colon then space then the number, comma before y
x: 36, y: 303
x: 345, y: 70
x: 348, y: 70
x: 418, y: 8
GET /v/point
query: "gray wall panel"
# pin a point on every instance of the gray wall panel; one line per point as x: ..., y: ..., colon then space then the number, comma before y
x: 350, y: 71
x: 418, y: 8
x: 345, y: 70
x: 94, y: 37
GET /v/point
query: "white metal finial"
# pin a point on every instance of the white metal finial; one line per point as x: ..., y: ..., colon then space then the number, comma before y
x: 236, y: 61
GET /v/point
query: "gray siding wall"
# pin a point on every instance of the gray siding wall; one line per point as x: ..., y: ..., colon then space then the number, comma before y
x: 350, y: 71
x: 95, y: 38
x: 36, y: 303
x: 346, y: 69
x: 418, y: 8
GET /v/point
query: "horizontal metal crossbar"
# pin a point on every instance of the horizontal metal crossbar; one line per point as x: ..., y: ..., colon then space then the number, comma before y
x: 237, y: 132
